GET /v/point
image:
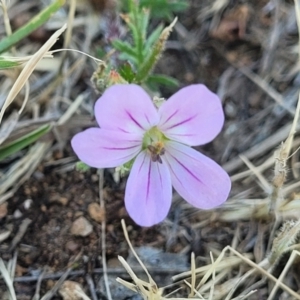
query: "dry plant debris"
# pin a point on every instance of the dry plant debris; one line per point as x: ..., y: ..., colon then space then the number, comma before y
x: 213, y: 274
x: 248, y: 53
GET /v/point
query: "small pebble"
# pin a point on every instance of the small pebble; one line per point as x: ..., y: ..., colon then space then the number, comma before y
x: 81, y: 227
x: 43, y: 208
x: 17, y: 214
x: 3, y: 210
x: 96, y: 212
x: 38, y: 175
x: 27, y: 203
x: 63, y: 200
x: 72, y: 246
x: 55, y: 197
x: 95, y: 178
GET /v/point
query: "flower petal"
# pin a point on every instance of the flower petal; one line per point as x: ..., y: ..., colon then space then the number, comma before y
x: 100, y: 148
x: 193, y: 116
x: 197, y: 178
x: 149, y: 191
x: 127, y: 108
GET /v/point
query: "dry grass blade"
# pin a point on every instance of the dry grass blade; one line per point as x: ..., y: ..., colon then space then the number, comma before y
x: 217, y: 7
x: 283, y: 273
x: 270, y: 51
x: 245, y: 296
x: 264, y: 272
x: 28, y: 69
x: 261, y: 148
x: 22, y: 170
x: 57, y: 285
x: 68, y: 34
x: 8, y: 127
x: 209, y: 278
x: 25, y: 59
x: 193, y: 277
x: 265, y: 165
x: 103, y: 235
x: 8, y: 280
x: 227, y: 261
x: 264, y: 183
x: 21, y: 231
x: 148, y: 290
x: 72, y: 109
x: 238, y: 209
x: 238, y: 281
x: 82, y: 295
x: 267, y: 88
x: 280, y: 172
x: 136, y: 256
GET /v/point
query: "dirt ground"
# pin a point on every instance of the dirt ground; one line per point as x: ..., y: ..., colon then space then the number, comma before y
x: 247, y: 52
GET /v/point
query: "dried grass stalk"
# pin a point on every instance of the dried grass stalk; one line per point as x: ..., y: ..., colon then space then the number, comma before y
x: 28, y: 69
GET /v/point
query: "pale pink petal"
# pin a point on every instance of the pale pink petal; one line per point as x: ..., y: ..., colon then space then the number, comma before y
x: 197, y: 178
x: 148, y: 191
x: 193, y: 116
x: 126, y: 108
x: 100, y: 148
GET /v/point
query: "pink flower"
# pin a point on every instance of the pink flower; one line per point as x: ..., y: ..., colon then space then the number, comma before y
x: 159, y: 141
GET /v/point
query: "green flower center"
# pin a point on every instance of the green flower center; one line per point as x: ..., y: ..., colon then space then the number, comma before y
x: 154, y: 142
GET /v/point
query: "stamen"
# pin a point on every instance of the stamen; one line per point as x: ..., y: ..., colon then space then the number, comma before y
x: 156, y: 151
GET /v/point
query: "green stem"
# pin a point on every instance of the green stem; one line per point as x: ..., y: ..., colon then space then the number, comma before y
x: 31, y: 26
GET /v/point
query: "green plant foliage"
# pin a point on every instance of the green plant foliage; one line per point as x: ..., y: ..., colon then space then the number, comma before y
x: 82, y: 167
x: 144, y: 50
x: 23, y: 142
x: 6, y: 64
x: 165, y: 9
x: 126, y: 51
x: 154, y: 82
x: 31, y: 26
x: 160, y: 79
x: 127, y: 72
x: 161, y: 9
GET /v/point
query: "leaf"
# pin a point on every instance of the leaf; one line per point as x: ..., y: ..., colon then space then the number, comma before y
x: 164, y: 9
x: 31, y: 26
x: 138, y: 39
x: 126, y: 57
x: 6, y: 64
x: 134, y: 8
x: 23, y: 142
x: 178, y: 6
x: 163, y: 79
x: 153, y: 37
x: 124, y: 47
x: 82, y: 167
x: 159, y: 9
x: 144, y: 22
x: 127, y: 72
